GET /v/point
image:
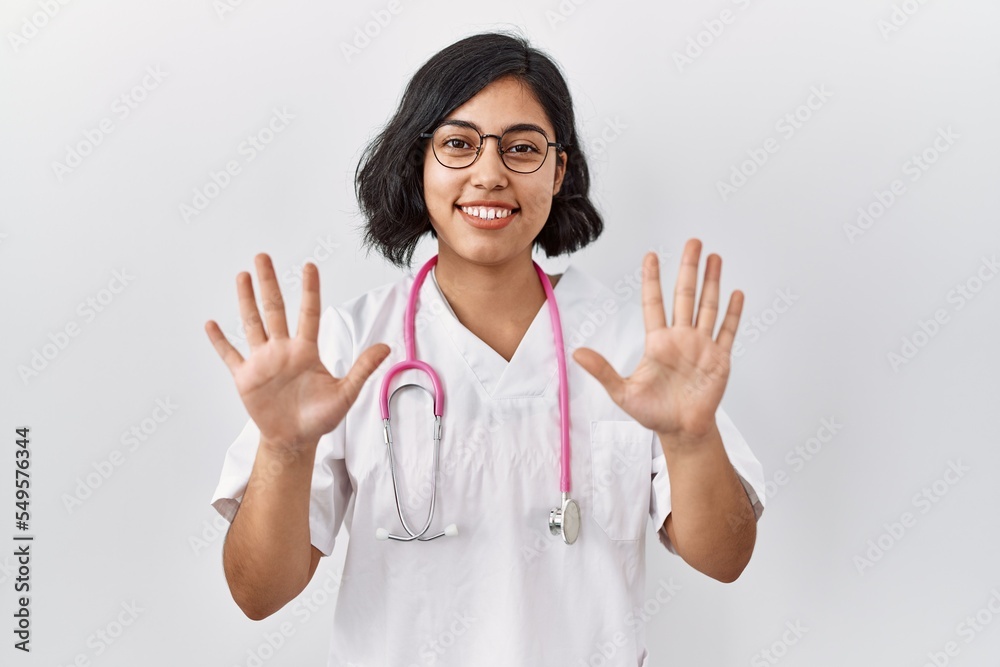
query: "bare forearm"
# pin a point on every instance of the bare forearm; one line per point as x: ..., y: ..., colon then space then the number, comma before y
x: 267, y: 551
x: 713, y: 525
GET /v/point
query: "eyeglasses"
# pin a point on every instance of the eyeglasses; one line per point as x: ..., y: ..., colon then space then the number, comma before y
x: 522, y: 149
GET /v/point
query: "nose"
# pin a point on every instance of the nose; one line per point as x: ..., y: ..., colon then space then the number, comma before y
x: 489, y: 169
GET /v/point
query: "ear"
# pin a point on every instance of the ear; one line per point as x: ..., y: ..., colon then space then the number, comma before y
x: 560, y: 173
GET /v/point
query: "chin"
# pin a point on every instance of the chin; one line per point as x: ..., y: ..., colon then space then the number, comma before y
x: 476, y: 250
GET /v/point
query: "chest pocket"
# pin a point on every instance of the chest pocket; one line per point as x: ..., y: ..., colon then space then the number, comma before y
x: 621, y: 463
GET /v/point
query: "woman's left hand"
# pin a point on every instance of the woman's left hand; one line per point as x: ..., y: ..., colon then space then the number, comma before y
x: 678, y: 385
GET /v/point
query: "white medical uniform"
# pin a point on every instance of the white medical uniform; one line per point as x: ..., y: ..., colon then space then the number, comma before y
x: 504, y: 591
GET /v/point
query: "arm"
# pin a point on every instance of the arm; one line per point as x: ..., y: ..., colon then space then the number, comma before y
x: 675, y: 391
x: 711, y: 524
x: 267, y: 555
x: 293, y: 400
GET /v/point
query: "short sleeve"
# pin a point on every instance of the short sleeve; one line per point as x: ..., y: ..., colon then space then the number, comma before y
x: 331, y: 487
x: 747, y: 467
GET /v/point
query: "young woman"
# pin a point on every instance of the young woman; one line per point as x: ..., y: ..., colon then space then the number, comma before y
x: 499, y: 516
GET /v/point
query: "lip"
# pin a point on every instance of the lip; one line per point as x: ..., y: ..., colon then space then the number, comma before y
x: 488, y: 203
x: 479, y: 223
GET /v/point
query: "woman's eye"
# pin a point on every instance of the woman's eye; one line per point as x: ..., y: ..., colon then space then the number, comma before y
x: 450, y: 143
x: 529, y: 148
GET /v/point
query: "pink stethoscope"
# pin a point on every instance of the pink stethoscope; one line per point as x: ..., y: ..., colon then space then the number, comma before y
x: 563, y: 520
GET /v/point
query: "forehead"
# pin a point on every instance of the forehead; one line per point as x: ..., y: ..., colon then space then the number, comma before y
x: 503, y: 103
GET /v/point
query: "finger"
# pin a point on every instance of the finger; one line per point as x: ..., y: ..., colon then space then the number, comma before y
x: 599, y: 367
x: 230, y: 355
x: 708, y: 306
x: 687, y: 281
x: 252, y: 323
x: 363, y: 367
x: 270, y: 295
x: 652, y: 295
x: 309, y: 313
x: 727, y: 333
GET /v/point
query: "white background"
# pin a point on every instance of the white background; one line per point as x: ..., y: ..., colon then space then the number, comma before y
x: 683, y: 128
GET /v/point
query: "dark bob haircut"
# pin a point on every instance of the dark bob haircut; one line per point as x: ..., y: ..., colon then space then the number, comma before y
x: 389, y: 176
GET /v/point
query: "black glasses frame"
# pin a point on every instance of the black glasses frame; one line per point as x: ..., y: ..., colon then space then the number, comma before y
x: 560, y: 148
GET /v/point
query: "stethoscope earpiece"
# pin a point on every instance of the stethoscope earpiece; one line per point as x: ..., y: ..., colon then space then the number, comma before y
x: 451, y: 530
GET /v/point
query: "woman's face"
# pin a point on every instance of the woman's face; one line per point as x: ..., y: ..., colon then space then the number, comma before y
x: 503, y: 103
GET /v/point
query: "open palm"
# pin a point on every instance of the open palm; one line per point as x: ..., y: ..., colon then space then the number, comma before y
x: 288, y: 392
x: 679, y: 382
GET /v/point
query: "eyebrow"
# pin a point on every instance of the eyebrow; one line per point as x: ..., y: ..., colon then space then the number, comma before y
x: 515, y: 126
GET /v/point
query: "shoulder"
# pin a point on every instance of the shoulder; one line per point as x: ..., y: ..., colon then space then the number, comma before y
x: 358, y: 312
x: 600, y: 318
x: 349, y: 327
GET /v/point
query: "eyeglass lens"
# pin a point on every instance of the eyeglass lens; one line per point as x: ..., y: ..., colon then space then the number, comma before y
x: 521, y: 150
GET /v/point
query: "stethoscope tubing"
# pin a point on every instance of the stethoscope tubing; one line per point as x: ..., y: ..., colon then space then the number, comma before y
x: 411, y: 362
x: 557, y: 334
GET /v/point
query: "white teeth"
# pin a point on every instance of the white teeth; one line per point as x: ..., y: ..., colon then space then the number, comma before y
x: 487, y: 213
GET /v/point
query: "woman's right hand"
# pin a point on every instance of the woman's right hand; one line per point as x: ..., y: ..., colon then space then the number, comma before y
x: 288, y: 392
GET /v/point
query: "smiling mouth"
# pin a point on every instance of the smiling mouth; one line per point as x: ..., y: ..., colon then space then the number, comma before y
x: 487, y: 222
x: 487, y: 212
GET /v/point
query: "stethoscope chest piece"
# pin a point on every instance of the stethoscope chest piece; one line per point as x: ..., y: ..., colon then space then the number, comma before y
x: 565, y: 521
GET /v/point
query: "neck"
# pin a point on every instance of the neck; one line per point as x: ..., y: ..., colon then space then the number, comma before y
x: 497, y: 302
x: 462, y: 278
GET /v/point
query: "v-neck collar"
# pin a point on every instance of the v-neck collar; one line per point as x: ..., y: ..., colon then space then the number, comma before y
x: 533, y: 366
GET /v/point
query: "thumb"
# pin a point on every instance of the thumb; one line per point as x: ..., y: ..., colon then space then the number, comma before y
x: 598, y: 366
x: 363, y: 367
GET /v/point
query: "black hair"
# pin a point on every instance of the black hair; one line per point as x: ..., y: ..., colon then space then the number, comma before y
x: 389, y: 177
